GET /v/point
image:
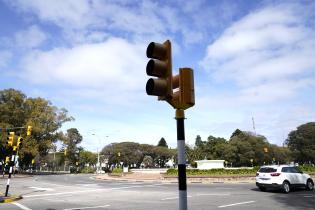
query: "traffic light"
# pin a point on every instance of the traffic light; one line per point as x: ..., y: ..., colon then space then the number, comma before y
x: 7, y: 159
x: 10, y: 139
x: 160, y: 66
x: 29, y: 130
x: 265, y: 149
x: 65, y: 152
x: 33, y: 161
x: 19, y: 141
x: 183, y: 84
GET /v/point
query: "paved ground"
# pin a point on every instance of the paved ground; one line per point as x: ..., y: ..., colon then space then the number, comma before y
x: 138, y: 176
x: 74, y: 192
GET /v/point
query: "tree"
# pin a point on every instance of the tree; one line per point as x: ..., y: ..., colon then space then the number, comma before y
x: 162, y: 143
x: 199, y: 143
x: 16, y: 110
x: 71, y: 140
x: 87, y: 157
x: 302, y: 142
x: 147, y: 161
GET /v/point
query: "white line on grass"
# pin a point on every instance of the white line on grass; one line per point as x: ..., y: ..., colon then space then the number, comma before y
x: 88, y: 207
x: 234, y: 204
x: 21, y: 206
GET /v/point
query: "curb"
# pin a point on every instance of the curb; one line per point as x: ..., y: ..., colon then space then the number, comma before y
x: 8, y: 199
x: 174, y: 180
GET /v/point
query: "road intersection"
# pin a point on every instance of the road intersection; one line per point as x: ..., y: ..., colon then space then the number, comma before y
x: 74, y: 192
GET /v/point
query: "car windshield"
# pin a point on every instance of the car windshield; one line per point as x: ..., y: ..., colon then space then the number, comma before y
x: 267, y: 170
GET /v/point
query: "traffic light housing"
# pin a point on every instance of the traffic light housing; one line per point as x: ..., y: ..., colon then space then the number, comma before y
x: 10, y: 139
x: 29, y: 130
x: 160, y: 66
x: 183, y: 84
x: 19, y: 141
x: 178, y: 91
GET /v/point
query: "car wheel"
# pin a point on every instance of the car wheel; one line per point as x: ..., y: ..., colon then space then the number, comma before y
x: 286, y: 187
x: 309, y: 185
x: 262, y: 189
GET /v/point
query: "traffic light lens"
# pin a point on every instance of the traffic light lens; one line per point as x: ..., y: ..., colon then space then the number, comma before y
x: 156, y: 68
x: 156, y: 87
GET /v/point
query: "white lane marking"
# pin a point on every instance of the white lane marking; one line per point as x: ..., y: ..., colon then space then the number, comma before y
x: 92, y: 190
x: 21, y: 206
x: 217, y: 194
x: 41, y: 188
x: 88, y: 207
x: 173, y: 198
x: 234, y: 204
x: 309, y: 196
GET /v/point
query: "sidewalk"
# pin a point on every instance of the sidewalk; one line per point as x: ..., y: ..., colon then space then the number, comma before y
x: 146, y: 177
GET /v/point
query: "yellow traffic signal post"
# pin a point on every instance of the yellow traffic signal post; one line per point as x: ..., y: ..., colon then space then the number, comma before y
x: 178, y: 91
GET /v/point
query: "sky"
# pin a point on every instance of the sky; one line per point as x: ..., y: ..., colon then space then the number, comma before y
x: 251, y: 60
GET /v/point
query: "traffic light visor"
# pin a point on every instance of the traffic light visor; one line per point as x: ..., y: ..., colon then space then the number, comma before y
x: 156, y: 50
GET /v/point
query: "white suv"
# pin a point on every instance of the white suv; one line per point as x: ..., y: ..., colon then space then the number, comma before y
x: 282, y: 177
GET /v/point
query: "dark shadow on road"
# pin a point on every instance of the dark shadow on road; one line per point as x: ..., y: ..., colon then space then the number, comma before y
x: 298, y: 198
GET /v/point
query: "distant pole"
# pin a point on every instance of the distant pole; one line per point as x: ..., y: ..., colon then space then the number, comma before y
x: 11, y: 165
x: 182, y: 185
x: 254, y: 125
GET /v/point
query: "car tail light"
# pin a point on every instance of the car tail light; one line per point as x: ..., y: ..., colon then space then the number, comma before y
x: 257, y: 174
x: 275, y: 174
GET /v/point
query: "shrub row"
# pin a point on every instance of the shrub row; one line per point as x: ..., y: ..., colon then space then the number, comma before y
x: 228, y: 172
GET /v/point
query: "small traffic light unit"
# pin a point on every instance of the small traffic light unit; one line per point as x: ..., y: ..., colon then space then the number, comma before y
x: 10, y: 139
x: 19, y: 142
x: 177, y: 90
x: 29, y: 130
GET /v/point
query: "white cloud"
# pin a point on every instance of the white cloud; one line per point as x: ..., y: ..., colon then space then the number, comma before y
x: 30, y: 38
x: 263, y: 51
x: 113, y: 64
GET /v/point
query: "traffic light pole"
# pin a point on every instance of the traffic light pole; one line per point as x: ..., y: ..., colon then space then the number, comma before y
x: 11, y: 165
x: 182, y: 185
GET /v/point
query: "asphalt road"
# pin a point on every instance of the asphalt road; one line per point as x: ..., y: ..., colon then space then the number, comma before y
x: 74, y: 192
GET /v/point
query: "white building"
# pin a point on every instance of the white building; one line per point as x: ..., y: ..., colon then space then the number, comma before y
x: 209, y: 164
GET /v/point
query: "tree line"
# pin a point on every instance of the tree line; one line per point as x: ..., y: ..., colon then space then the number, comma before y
x: 243, y: 148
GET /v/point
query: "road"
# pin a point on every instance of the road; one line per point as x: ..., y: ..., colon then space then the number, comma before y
x: 74, y: 192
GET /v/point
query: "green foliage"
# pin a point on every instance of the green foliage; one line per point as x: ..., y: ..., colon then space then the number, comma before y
x: 302, y: 142
x: 215, y: 172
x: 117, y: 171
x: 88, y: 170
x: 162, y: 143
x: 238, y: 151
x: 17, y: 110
x: 307, y: 169
x: 70, y: 142
x: 87, y: 157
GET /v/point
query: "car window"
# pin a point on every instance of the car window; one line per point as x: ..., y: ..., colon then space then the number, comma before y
x: 285, y: 169
x: 267, y: 170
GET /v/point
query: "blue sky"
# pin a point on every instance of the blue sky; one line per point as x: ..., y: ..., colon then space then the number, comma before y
x: 250, y: 59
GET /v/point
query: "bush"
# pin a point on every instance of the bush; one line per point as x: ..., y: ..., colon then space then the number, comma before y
x: 88, y: 170
x: 307, y: 169
x: 215, y: 172
x: 117, y: 171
